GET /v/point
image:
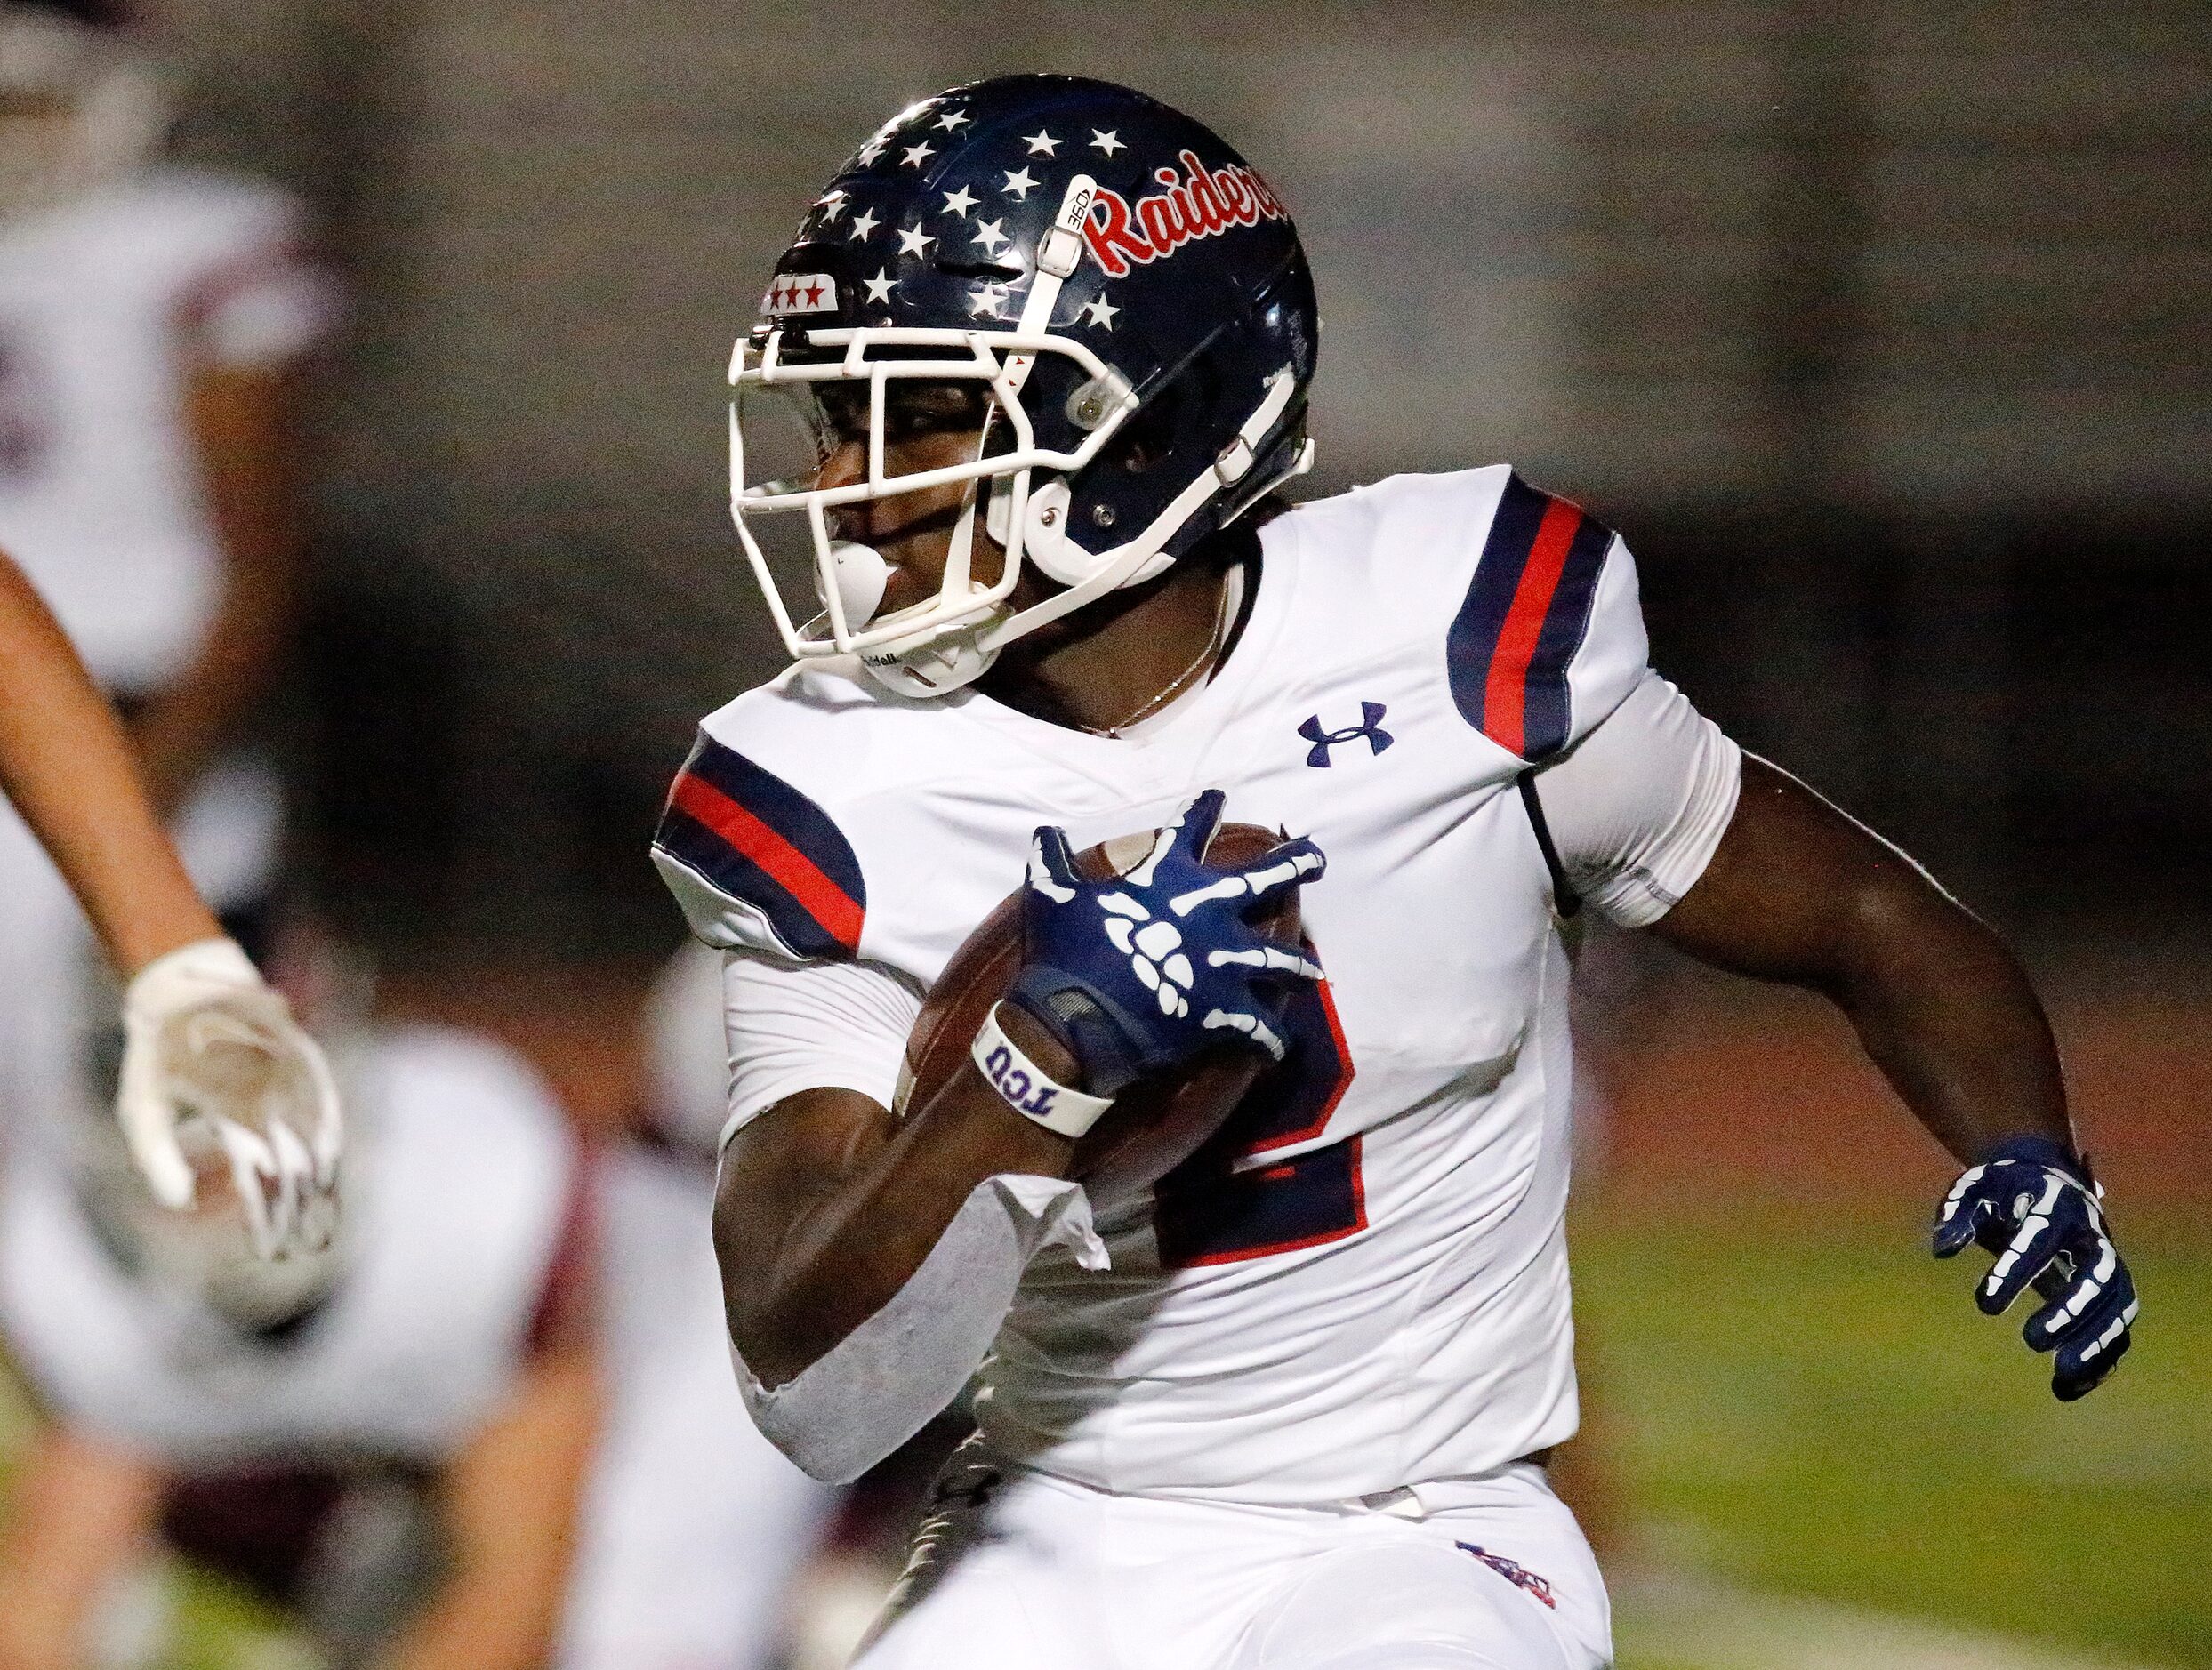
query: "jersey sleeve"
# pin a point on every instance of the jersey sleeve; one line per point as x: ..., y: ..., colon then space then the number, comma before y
x: 809, y: 1026
x: 1549, y: 638
x: 1637, y: 809
x: 757, y: 865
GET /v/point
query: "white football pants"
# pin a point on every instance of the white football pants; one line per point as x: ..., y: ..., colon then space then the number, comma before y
x: 1014, y: 1570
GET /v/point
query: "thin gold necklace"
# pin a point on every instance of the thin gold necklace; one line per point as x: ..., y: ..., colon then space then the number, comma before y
x: 1182, y: 680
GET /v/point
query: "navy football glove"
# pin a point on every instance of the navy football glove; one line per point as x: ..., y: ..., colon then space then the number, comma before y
x: 2035, y: 1206
x: 1139, y: 972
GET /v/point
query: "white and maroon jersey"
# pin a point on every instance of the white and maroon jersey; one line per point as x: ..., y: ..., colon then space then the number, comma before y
x: 104, y: 302
x: 1363, y: 1282
x: 694, y: 1524
x: 423, y: 1335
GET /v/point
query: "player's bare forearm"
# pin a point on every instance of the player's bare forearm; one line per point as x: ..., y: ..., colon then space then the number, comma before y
x: 66, y: 765
x: 827, y: 1205
x: 1799, y: 893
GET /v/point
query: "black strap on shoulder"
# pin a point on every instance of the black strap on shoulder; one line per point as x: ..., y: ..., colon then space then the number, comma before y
x: 1241, y: 548
x: 1565, y: 899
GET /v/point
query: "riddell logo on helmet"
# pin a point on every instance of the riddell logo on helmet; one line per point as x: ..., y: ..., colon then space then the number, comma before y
x: 1200, y: 202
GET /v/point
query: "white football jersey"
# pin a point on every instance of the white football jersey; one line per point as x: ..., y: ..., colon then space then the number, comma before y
x: 417, y: 1343
x: 1363, y: 1282
x: 103, y: 300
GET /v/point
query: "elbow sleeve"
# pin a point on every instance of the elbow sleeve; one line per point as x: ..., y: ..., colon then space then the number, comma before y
x: 884, y: 1381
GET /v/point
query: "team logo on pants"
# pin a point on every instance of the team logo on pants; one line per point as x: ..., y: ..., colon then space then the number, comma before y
x: 1513, y: 1572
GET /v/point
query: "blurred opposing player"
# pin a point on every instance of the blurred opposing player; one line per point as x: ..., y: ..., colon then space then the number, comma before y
x: 694, y: 1527
x: 210, y: 1053
x: 1290, y: 1408
x: 153, y: 322
x: 389, y: 1439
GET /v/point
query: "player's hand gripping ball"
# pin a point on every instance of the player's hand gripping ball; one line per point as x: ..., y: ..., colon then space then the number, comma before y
x: 1139, y: 973
x: 1157, y: 1123
x: 2035, y: 1207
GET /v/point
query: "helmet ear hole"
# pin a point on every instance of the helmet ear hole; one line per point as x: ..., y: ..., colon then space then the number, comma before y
x: 1151, y: 434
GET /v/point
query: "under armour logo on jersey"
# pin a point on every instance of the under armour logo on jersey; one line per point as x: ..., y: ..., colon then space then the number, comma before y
x: 1368, y: 730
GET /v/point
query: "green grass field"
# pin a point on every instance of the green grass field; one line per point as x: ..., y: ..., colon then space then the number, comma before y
x: 1804, y: 1406
x: 1795, y: 1405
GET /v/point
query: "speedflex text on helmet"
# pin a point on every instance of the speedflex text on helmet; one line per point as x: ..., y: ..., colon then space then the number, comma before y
x: 1096, y: 293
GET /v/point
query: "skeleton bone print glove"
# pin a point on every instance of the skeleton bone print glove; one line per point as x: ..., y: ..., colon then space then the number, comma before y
x: 2037, y: 1208
x: 1140, y: 972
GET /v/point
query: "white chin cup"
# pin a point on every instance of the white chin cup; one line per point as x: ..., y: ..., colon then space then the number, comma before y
x: 936, y: 668
x: 862, y: 575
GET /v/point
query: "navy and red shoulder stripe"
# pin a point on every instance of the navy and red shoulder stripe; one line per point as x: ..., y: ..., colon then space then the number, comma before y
x: 756, y: 838
x: 1514, y: 639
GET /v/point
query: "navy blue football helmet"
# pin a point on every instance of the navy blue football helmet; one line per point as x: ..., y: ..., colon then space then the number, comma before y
x: 1128, y: 300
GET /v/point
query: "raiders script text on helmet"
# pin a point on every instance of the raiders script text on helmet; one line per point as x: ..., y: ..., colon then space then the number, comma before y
x: 1198, y: 202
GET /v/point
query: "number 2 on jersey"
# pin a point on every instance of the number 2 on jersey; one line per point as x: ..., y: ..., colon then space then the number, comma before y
x: 1225, y: 1204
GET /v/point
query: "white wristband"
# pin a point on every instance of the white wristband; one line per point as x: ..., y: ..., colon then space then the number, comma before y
x: 1028, y: 1090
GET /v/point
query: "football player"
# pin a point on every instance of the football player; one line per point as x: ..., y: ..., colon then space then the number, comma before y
x: 153, y: 323
x: 386, y: 1441
x: 210, y: 1053
x: 692, y: 1528
x: 1051, y: 343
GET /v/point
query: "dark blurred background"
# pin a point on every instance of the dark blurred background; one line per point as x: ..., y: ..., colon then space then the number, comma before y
x: 1881, y: 331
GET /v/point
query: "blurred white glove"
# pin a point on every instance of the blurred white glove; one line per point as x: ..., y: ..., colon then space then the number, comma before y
x: 212, y: 1054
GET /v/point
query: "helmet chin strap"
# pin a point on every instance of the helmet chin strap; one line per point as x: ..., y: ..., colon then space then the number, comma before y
x: 943, y: 660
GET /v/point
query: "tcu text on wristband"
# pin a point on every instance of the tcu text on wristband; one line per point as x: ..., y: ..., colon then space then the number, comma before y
x: 1027, y: 1088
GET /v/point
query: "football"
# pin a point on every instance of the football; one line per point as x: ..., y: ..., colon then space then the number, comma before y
x: 1156, y: 1123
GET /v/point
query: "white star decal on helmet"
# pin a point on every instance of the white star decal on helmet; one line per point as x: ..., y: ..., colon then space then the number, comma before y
x: 831, y: 204
x: 984, y: 302
x: 1109, y: 141
x: 880, y: 287
x: 989, y: 235
x: 1099, y: 311
x: 1041, y: 143
x: 1017, y: 185
x: 863, y: 223
x: 914, y: 155
x: 952, y: 120
x: 872, y: 150
x: 914, y: 241
x: 960, y: 202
